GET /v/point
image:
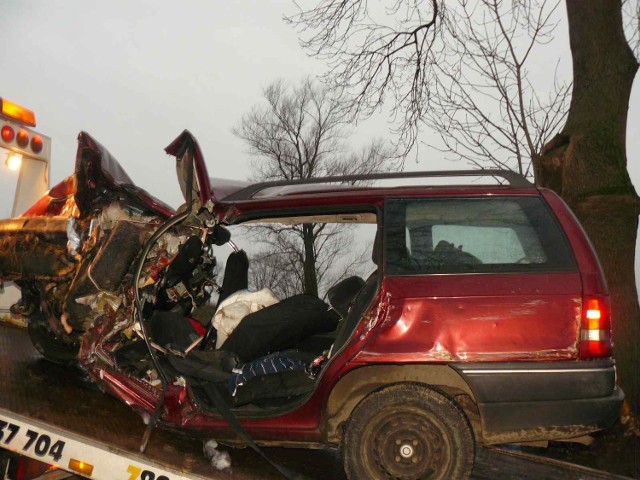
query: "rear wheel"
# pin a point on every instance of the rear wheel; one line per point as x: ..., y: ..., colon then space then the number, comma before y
x: 408, y: 432
x: 50, y: 346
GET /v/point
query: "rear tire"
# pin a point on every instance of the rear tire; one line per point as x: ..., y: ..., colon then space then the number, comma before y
x: 408, y: 432
x: 51, y: 347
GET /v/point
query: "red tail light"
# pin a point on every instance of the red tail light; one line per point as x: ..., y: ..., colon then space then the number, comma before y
x: 595, y: 331
x: 22, y: 139
x: 7, y: 133
x: 36, y: 144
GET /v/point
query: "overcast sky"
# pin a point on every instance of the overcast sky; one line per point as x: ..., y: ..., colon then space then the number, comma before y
x: 134, y: 74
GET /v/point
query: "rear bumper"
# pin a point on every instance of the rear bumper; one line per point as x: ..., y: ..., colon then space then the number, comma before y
x: 532, y: 401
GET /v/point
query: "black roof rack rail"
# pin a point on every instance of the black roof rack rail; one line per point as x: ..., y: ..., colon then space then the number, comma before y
x: 514, y: 179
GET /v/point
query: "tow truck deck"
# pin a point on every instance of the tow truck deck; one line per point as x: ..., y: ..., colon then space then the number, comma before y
x: 52, y: 414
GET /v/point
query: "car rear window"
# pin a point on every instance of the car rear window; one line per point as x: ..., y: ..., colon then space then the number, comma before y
x: 473, y: 235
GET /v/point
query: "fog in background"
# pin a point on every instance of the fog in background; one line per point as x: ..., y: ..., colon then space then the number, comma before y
x: 134, y: 74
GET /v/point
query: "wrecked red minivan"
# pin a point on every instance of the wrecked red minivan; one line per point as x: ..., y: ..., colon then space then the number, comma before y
x: 485, y: 317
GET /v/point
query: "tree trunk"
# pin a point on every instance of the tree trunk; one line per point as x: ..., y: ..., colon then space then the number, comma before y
x: 310, y: 274
x: 587, y: 165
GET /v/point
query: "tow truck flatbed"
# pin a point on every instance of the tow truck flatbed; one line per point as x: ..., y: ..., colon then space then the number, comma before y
x: 45, y: 404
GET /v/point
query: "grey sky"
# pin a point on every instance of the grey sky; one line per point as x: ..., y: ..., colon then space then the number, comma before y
x: 134, y: 74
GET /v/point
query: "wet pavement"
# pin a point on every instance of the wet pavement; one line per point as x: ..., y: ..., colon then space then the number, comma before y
x: 63, y: 397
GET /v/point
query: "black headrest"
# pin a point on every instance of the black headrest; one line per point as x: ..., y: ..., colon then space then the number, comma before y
x: 444, y: 246
x: 236, y: 274
x: 343, y: 293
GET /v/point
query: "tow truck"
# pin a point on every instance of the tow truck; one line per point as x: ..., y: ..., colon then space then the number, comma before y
x: 28, y: 153
x: 56, y: 425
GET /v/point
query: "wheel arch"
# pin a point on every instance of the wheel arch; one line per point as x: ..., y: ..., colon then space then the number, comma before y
x: 351, y: 389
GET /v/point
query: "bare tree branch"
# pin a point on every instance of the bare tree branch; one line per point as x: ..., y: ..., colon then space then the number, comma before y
x: 458, y: 69
x: 300, y: 132
x: 631, y: 21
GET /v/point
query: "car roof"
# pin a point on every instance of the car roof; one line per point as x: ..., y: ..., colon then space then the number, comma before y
x: 402, y: 183
x: 354, y: 183
x: 351, y: 201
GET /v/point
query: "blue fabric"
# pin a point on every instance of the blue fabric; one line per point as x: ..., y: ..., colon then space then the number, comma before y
x: 274, y: 363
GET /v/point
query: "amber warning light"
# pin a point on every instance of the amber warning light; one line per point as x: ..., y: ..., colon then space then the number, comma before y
x: 17, y: 113
x: 17, y: 138
x: 81, y: 467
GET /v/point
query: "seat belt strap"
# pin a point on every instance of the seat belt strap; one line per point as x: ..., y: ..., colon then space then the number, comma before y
x: 224, y: 409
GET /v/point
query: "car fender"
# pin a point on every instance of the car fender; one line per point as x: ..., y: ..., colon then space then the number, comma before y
x: 357, y: 384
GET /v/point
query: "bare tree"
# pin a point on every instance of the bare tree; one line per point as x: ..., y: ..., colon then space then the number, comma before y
x: 586, y: 163
x: 375, y: 58
x: 396, y: 56
x: 298, y: 132
x: 271, y: 269
x: 277, y: 265
x: 483, y: 106
x: 457, y: 69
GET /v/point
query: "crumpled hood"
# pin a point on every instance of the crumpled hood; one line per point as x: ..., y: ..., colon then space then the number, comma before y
x: 99, y: 176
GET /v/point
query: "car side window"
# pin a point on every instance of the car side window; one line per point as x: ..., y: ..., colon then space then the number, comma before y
x: 472, y: 235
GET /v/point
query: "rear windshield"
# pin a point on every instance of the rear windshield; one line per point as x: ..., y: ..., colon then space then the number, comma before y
x: 473, y: 235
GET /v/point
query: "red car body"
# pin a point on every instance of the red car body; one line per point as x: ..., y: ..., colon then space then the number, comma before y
x: 514, y: 347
